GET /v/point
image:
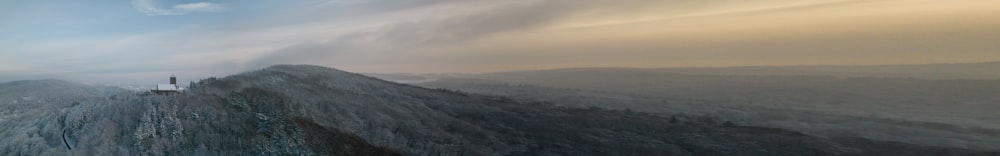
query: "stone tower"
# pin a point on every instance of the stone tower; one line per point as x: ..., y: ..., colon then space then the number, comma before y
x: 173, y: 79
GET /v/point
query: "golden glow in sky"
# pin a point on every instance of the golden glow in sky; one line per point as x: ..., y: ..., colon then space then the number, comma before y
x: 147, y: 37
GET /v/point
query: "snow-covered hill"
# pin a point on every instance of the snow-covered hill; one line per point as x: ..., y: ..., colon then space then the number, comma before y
x: 313, y: 110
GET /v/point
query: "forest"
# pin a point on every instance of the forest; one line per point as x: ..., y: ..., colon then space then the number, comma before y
x: 313, y: 110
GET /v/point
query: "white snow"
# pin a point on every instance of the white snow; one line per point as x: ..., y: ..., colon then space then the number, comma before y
x: 167, y: 87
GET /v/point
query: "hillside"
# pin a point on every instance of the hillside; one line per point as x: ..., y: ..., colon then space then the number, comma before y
x: 31, y: 114
x: 312, y: 110
x: 952, y: 112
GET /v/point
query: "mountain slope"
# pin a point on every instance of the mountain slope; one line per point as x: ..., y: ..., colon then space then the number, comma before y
x: 384, y: 113
x: 32, y: 111
x: 312, y: 110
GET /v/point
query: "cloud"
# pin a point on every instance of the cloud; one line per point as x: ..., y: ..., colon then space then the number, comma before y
x: 297, y: 54
x: 488, y: 35
x: 422, y: 26
x: 199, y: 6
x: 7, y: 68
x: 148, y: 7
x: 473, y: 25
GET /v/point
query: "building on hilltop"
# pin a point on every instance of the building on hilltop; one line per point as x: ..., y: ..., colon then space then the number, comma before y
x: 163, y: 89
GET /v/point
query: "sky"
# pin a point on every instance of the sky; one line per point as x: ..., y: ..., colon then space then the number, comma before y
x: 146, y: 40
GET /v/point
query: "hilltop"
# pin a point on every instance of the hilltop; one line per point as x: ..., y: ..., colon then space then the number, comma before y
x: 314, y: 110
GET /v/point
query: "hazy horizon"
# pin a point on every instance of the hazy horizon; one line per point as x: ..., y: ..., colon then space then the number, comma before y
x: 150, y: 80
x: 145, y: 40
x: 497, y: 77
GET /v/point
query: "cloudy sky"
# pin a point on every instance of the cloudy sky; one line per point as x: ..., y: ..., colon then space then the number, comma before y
x: 133, y: 41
